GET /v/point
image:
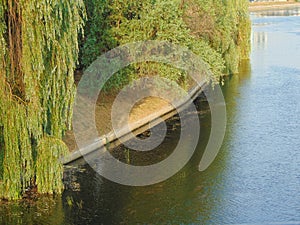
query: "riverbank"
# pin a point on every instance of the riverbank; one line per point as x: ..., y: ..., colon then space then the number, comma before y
x: 103, y: 110
x: 148, y: 105
x: 262, y: 6
x: 144, y: 114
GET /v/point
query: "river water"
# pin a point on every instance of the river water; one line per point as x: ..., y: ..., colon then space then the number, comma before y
x: 255, y: 178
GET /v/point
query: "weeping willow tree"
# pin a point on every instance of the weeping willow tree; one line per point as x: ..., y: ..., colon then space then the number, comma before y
x: 38, y: 54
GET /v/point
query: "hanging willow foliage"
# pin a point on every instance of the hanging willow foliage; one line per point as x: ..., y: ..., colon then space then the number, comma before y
x: 38, y: 54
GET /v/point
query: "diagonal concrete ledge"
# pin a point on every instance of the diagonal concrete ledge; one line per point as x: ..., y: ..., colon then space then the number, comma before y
x: 110, y: 140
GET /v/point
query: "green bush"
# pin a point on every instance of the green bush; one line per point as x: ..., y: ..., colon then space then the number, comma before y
x: 225, y: 25
x: 216, y: 30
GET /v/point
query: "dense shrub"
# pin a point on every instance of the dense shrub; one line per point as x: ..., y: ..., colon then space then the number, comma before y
x: 225, y: 25
x: 218, y: 31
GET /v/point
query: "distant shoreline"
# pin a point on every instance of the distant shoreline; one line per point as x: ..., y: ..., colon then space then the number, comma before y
x: 262, y: 6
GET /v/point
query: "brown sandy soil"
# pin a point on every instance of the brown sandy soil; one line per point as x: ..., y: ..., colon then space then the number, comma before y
x: 140, y: 110
x: 261, y: 6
